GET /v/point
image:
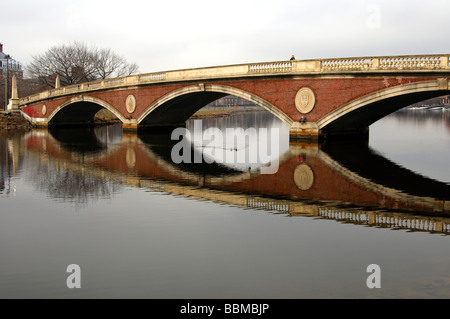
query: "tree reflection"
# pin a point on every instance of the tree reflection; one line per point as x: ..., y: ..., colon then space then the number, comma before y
x: 71, y: 185
x: 10, y: 159
x: 69, y: 182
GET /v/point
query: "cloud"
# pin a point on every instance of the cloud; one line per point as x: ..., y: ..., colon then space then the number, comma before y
x: 173, y: 34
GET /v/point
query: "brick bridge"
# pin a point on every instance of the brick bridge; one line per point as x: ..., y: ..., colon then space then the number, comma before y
x: 314, y: 97
x: 306, y: 173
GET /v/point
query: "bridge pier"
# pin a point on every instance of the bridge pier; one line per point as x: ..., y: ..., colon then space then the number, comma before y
x: 133, y: 126
x: 130, y: 125
x: 308, y: 131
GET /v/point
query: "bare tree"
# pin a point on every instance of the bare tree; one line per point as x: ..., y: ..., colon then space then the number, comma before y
x: 78, y: 63
x: 109, y: 64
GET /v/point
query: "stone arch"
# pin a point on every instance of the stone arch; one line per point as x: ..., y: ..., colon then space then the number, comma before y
x: 364, y: 111
x: 216, y: 91
x: 87, y: 100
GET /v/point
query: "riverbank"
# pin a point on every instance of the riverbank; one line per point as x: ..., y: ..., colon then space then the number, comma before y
x: 13, y: 121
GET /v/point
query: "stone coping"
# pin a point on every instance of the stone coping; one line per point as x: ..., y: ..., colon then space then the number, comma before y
x: 357, y: 65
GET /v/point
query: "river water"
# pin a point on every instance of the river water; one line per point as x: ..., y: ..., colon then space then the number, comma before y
x: 139, y: 225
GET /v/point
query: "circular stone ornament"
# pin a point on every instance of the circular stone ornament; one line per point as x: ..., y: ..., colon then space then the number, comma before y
x: 44, y: 109
x: 304, y: 177
x: 131, y: 104
x: 305, y: 100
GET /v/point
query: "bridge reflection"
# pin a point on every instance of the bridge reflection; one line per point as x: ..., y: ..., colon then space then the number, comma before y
x: 324, y: 182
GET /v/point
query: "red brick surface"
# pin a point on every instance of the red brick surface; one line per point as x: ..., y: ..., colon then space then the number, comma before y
x: 331, y: 93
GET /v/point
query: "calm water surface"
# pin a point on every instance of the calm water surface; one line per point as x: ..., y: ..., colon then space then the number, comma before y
x: 140, y: 226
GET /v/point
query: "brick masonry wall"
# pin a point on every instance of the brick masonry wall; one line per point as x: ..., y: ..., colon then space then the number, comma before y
x: 330, y: 93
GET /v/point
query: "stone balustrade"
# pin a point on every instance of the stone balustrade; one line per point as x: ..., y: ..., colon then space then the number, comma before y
x: 412, y: 63
x: 392, y: 221
x: 347, y: 64
x: 354, y: 216
x: 153, y: 77
x: 419, y: 63
x: 273, y: 67
x: 428, y: 62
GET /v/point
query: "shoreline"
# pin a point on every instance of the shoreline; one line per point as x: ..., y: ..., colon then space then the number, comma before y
x: 15, y: 121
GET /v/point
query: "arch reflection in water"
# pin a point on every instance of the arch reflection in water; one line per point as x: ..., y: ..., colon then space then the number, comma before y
x: 326, y: 182
x: 245, y: 142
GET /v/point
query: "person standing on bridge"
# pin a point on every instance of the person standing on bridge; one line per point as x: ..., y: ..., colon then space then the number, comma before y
x: 292, y: 57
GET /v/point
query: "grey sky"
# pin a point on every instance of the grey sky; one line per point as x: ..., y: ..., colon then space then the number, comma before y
x: 176, y: 34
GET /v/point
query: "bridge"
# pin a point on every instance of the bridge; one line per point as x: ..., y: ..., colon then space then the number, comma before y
x: 315, y: 98
x: 331, y: 175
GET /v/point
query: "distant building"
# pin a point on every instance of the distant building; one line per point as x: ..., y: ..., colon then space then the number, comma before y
x: 8, y: 68
x: 437, y: 101
x: 8, y: 64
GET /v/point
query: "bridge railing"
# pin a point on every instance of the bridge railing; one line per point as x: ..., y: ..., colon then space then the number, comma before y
x: 423, y: 62
x: 271, y: 67
x: 348, y: 64
x: 389, y: 220
x: 410, y: 63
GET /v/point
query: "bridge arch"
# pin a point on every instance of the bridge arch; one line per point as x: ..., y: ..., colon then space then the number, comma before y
x: 362, y: 112
x: 182, y: 103
x: 69, y: 111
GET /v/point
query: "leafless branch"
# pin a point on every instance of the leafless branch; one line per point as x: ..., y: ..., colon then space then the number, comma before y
x: 78, y: 63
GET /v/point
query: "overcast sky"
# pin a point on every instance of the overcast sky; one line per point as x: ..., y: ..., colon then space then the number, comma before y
x: 178, y: 34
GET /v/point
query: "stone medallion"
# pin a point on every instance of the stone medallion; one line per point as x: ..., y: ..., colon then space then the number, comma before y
x: 305, y: 100
x: 304, y: 177
x: 44, y: 109
x: 131, y: 104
